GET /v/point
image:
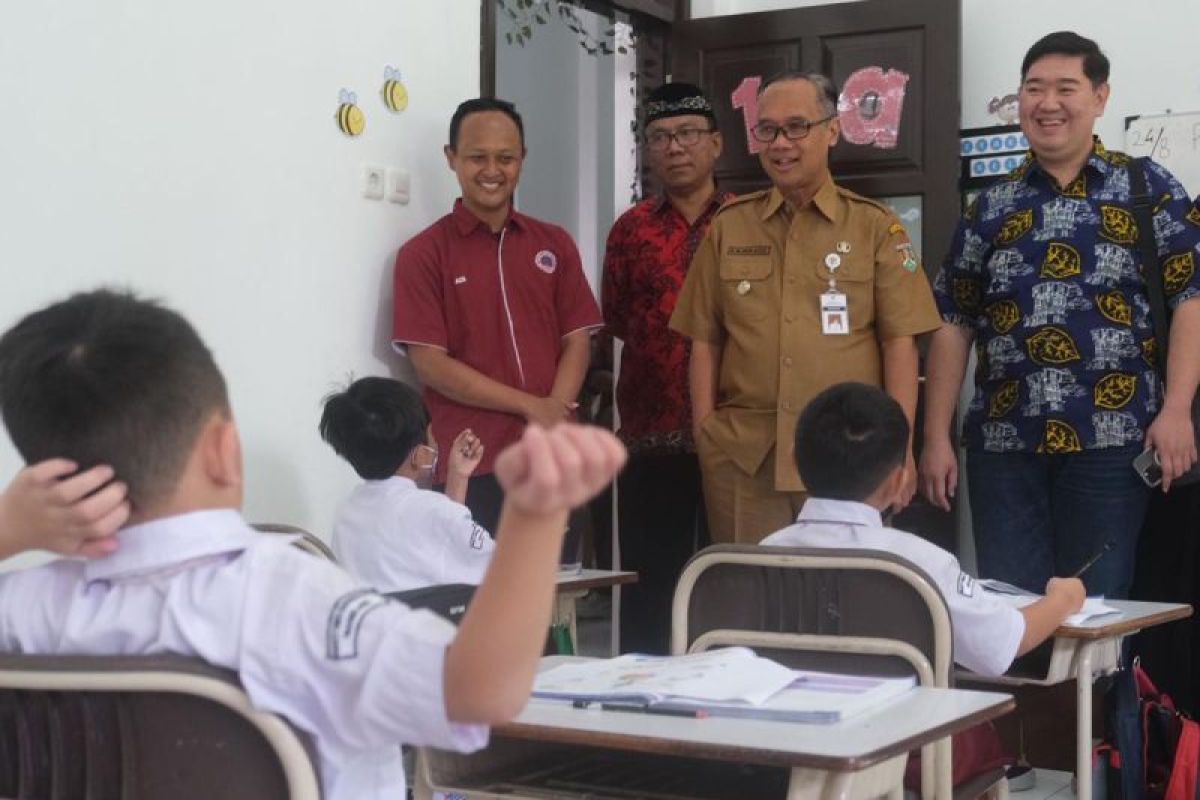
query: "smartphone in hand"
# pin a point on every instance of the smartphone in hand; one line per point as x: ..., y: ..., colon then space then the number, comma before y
x: 1148, y: 467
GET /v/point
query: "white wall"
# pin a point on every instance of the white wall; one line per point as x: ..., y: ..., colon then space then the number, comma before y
x: 189, y: 150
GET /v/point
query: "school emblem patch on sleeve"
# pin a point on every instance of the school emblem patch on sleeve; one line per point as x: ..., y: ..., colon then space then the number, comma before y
x: 345, y: 621
x: 477, y: 537
x: 966, y: 585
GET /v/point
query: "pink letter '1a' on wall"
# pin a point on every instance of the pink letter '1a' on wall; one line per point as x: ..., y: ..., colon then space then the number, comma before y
x: 869, y: 108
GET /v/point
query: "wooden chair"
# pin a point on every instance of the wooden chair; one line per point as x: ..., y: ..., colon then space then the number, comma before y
x: 141, y: 728
x: 823, y: 609
x: 307, y: 542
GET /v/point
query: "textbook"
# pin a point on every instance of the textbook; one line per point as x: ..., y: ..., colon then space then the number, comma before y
x: 1019, y: 598
x: 732, y: 682
x: 730, y: 673
x: 813, y: 697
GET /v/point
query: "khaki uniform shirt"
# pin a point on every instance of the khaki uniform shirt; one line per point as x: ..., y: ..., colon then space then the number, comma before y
x: 754, y: 289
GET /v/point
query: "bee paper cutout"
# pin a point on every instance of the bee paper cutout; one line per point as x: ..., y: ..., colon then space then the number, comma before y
x: 350, y: 118
x: 395, y: 95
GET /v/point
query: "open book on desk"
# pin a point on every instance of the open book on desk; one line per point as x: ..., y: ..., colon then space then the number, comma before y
x: 1019, y: 598
x: 731, y: 673
x: 815, y: 697
x: 731, y: 682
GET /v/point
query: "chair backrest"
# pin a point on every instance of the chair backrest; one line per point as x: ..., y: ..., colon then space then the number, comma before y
x: 308, y: 542
x: 816, y: 608
x: 449, y: 600
x: 141, y: 728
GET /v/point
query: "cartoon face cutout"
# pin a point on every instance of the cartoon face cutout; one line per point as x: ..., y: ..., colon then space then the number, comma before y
x: 1005, y: 109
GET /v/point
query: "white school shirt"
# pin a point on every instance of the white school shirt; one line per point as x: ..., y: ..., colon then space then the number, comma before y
x: 357, y: 671
x: 987, y: 632
x: 395, y: 536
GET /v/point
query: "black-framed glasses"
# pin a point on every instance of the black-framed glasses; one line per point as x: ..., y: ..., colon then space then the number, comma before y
x: 793, y: 129
x: 687, y: 137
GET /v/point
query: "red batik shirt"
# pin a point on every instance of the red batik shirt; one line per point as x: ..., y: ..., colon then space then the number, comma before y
x: 646, y: 259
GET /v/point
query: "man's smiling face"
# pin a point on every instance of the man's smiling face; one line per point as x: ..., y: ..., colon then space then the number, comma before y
x: 796, y: 164
x: 487, y: 160
x: 1059, y: 107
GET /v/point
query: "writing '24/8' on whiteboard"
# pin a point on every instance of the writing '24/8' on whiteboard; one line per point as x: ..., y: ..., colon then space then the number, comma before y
x: 1172, y: 140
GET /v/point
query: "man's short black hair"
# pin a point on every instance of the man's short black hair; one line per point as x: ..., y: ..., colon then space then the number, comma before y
x: 374, y: 424
x: 108, y: 377
x: 480, y: 104
x: 848, y: 440
x: 1069, y: 43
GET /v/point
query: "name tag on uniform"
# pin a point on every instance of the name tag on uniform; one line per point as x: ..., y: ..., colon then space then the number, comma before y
x: 835, y: 315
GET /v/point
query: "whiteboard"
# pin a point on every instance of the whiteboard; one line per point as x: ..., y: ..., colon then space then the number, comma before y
x: 1172, y: 140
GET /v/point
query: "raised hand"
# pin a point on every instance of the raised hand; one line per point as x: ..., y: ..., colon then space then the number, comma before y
x: 557, y: 469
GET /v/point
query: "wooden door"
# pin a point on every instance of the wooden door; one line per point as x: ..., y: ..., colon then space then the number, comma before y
x: 897, y: 65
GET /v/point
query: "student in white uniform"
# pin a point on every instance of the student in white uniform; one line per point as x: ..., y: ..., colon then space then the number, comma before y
x: 53, y: 506
x: 104, y: 377
x: 851, y: 442
x: 393, y: 532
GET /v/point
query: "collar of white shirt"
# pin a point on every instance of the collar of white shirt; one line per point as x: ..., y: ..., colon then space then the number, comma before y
x: 394, y: 481
x: 173, y: 542
x: 819, y: 509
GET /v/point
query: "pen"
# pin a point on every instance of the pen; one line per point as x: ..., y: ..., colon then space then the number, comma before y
x: 697, y: 713
x: 1091, y: 561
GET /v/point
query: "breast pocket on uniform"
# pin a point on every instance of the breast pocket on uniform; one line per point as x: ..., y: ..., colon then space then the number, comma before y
x: 747, y: 288
x: 855, y: 278
x: 849, y: 268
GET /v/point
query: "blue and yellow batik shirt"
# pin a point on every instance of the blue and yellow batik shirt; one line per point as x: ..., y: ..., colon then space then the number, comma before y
x: 1048, y: 278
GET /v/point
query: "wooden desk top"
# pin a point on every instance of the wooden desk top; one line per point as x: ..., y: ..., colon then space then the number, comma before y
x: 898, y: 726
x: 593, y: 579
x: 1135, y: 615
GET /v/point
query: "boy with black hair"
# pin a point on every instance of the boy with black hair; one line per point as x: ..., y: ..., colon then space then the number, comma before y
x: 105, y: 377
x: 392, y: 531
x: 851, y: 445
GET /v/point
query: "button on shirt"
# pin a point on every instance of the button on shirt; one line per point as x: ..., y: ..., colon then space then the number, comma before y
x: 646, y: 260
x: 360, y: 673
x: 501, y: 303
x: 1047, y: 277
x: 754, y: 289
x: 395, y: 537
x: 987, y: 632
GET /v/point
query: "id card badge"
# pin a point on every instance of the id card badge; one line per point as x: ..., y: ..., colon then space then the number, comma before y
x: 835, y: 316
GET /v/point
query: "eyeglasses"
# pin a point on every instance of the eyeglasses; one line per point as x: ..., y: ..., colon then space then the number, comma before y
x: 687, y: 137
x: 792, y: 130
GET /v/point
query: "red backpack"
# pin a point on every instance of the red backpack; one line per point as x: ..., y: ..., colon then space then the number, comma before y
x: 1152, y: 750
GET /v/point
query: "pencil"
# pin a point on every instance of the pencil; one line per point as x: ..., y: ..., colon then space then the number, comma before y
x: 1091, y: 561
x: 690, y: 713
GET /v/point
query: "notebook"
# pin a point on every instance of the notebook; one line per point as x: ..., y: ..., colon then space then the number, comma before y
x: 731, y: 682
x: 1019, y: 598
